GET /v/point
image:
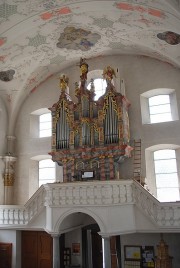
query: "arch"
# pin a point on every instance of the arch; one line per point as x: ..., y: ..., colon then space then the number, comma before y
x: 81, y: 210
x: 162, y: 146
x: 41, y: 157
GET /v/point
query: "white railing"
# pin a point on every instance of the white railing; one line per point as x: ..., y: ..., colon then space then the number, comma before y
x: 13, y: 215
x: 21, y: 215
x: 94, y: 193
x: 36, y: 203
x: 163, y: 214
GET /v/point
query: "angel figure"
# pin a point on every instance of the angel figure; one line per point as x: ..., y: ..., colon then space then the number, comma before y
x: 108, y: 73
x: 63, y: 82
x: 84, y: 69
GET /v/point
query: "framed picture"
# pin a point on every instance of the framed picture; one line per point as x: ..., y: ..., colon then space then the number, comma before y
x: 76, y: 248
x: 132, y: 252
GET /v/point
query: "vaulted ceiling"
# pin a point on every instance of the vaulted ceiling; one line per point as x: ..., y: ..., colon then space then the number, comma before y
x: 39, y: 38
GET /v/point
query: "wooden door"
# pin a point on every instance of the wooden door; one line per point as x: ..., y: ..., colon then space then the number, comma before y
x: 36, y: 250
x: 44, y: 250
x: 5, y: 255
x: 29, y: 252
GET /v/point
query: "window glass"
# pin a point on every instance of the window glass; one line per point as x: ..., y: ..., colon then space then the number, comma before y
x: 160, y: 109
x: 100, y: 87
x: 164, y: 154
x: 166, y: 175
x: 45, y: 124
x: 165, y: 166
x: 168, y: 194
x: 46, y: 171
x: 159, y: 99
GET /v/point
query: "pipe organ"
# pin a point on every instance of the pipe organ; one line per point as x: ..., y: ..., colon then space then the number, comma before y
x: 89, y: 137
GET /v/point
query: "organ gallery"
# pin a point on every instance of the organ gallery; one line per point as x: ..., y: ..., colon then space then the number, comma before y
x: 90, y: 138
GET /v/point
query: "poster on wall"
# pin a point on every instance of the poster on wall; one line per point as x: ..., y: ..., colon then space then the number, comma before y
x: 76, y: 248
x: 148, y: 256
x: 132, y: 252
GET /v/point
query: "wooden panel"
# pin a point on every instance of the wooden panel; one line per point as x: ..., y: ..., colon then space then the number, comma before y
x: 114, y: 260
x: 29, y: 249
x: 5, y: 255
x: 45, y: 247
x: 36, y: 250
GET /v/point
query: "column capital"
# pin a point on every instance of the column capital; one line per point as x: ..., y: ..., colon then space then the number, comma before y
x: 8, y: 179
x: 55, y: 235
x: 105, y: 236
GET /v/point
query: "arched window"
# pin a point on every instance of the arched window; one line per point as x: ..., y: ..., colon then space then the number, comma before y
x: 46, y: 171
x: 160, y: 109
x: 41, y: 123
x: 100, y: 87
x: 162, y: 171
x: 166, y: 175
x: 158, y: 105
x: 45, y: 127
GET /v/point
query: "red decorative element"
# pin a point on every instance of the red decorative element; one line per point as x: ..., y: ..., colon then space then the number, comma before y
x: 145, y: 21
x: 49, y: 15
x: 46, y: 16
x: 140, y: 9
x: 150, y: 11
x: 156, y: 13
x: 2, y: 41
x: 125, y: 6
x: 63, y: 11
x: 32, y: 90
x: 2, y: 58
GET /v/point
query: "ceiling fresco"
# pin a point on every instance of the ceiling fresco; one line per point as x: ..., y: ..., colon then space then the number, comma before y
x: 38, y: 38
x: 77, y: 39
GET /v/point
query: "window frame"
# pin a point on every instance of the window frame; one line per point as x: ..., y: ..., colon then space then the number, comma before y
x: 35, y: 123
x: 160, y: 104
x: 144, y: 103
x: 53, y: 167
x: 150, y: 167
x: 47, y: 122
x: 169, y: 173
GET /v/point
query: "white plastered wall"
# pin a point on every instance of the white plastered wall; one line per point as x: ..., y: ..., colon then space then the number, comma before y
x: 14, y: 237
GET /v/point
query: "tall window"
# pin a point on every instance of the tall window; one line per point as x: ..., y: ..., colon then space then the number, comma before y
x: 100, y: 87
x: 45, y: 122
x: 46, y: 171
x: 160, y: 109
x: 166, y: 175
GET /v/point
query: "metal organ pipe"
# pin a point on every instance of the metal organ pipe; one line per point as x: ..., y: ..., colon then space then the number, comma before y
x: 111, y: 123
x: 62, y: 130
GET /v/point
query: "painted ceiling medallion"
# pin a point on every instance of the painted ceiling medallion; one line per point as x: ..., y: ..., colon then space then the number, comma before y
x: 171, y: 38
x: 7, y: 76
x: 77, y: 38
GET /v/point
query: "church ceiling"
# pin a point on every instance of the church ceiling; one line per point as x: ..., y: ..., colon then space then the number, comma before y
x: 40, y: 37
